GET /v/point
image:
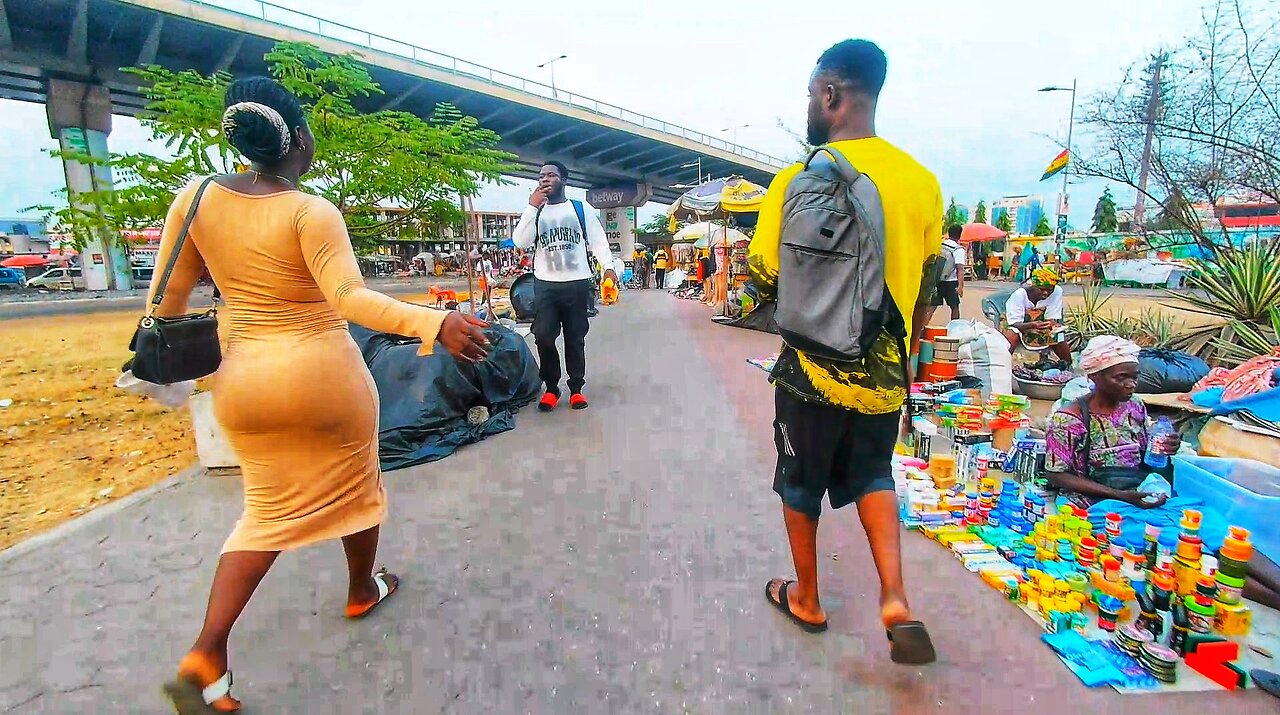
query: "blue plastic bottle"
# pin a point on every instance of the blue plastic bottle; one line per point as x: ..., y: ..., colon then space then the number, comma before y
x: 1162, y: 430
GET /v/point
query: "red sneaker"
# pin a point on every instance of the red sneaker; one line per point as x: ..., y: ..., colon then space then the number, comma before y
x: 549, y: 403
x: 577, y: 401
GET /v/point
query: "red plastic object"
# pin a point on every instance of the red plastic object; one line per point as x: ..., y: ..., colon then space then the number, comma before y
x: 1214, y: 670
x: 1219, y: 652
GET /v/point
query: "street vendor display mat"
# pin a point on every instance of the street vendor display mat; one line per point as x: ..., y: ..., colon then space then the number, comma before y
x: 1265, y: 633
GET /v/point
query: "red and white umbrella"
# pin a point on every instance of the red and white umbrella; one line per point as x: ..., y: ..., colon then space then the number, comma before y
x: 24, y: 261
x: 975, y: 232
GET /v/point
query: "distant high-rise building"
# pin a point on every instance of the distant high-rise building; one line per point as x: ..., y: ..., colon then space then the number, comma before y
x: 1024, y: 212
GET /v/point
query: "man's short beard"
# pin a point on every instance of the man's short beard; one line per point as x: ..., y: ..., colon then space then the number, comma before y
x: 816, y: 134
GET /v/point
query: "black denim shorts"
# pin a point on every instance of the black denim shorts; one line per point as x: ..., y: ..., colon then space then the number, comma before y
x: 825, y: 450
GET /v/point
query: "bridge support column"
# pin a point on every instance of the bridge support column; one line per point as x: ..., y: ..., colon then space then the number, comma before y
x: 80, y: 119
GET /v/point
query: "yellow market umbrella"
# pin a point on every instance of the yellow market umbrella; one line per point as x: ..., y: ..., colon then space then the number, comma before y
x: 717, y: 199
x: 701, y: 234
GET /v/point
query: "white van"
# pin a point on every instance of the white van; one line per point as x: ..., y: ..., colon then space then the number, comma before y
x: 58, y: 279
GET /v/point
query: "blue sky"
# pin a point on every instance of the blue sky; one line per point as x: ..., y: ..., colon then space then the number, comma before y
x: 961, y: 92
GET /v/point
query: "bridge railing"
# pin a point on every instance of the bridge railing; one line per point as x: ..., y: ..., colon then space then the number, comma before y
x: 448, y: 63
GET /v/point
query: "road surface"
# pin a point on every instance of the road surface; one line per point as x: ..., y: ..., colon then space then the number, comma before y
x: 608, y: 561
x: 31, y: 305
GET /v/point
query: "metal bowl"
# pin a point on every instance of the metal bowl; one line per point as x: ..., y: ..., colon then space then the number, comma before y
x: 1037, y: 390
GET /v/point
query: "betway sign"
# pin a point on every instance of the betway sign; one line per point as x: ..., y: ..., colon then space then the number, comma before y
x: 613, y: 197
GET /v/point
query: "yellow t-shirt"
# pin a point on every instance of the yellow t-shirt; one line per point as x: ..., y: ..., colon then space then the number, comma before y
x: 660, y: 259
x: 913, y: 233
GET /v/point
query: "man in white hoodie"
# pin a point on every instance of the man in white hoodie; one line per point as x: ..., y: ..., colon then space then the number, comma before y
x: 563, y: 296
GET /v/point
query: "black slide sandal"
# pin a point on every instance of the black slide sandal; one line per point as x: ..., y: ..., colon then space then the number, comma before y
x: 910, y: 644
x: 1266, y: 681
x: 782, y: 604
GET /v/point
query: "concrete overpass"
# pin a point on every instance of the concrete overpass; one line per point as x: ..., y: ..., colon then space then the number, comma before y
x: 87, y: 41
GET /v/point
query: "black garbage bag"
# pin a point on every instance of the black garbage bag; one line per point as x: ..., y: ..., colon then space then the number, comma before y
x: 521, y: 295
x: 424, y: 400
x: 1166, y: 371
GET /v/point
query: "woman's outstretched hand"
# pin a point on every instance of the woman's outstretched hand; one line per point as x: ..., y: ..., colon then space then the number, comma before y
x: 1145, y: 501
x: 463, y: 336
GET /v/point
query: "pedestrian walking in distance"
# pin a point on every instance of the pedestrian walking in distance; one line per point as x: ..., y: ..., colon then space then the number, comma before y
x: 837, y: 417
x: 951, y: 284
x: 564, y: 296
x: 661, y: 263
x: 293, y: 393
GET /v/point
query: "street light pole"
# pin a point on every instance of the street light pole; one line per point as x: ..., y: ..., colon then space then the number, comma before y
x: 697, y: 164
x: 1071, y: 121
x: 551, y: 64
x: 1061, y: 231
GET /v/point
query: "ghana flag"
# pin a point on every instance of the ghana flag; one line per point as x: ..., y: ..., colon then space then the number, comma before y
x: 1058, y: 164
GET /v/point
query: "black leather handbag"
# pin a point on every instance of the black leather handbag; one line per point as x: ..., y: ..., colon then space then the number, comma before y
x: 186, y: 347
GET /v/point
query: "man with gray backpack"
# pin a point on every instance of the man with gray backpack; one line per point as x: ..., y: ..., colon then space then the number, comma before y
x: 842, y: 244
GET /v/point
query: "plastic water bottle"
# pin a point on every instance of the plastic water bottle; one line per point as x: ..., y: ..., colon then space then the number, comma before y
x: 1161, y: 432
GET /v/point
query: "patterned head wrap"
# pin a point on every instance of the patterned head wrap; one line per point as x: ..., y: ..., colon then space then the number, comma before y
x: 1106, y: 351
x: 1045, y: 278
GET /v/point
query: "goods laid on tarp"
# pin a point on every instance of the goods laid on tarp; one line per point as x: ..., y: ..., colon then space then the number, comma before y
x: 429, y: 406
x: 1140, y: 599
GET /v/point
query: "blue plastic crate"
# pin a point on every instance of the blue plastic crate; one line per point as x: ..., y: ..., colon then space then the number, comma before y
x: 1246, y: 493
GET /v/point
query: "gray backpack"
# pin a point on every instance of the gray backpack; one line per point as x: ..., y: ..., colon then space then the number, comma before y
x: 833, y: 302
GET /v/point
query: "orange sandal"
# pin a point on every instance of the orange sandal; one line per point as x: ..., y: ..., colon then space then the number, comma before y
x: 384, y: 590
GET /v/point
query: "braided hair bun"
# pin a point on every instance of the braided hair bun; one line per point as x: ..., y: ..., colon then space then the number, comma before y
x: 260, y: 118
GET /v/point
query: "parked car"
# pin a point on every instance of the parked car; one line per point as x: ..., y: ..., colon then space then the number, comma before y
x: 11, y: 279
x: 58, y: 279
x: 142, y: 277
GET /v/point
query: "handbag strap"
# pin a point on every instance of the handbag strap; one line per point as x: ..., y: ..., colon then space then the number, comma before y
x: 177, y: 250
x: 1083, y: 405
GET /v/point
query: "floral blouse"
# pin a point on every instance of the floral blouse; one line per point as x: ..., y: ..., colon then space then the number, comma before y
x: 1118, y: 439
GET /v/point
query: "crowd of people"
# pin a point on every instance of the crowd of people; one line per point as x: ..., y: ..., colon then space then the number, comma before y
x: 308, y: 446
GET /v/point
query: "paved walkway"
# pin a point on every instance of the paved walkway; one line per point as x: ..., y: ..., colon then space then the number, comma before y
x: 611, y: 561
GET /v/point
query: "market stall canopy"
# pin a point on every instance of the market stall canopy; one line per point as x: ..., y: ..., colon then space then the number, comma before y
x: 702, y: 232
x: 25, y: 261
x: 977, y: 232
x: 718, y: 198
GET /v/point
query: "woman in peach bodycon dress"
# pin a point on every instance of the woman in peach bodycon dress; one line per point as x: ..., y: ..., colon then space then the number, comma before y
x: 293, y: 392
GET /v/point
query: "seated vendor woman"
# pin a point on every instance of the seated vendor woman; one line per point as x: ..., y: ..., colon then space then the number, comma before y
x: 1096, y: 447
x: 1033, y: 315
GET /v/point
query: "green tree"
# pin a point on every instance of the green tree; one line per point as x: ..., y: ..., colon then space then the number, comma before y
x: 805, y: 147
x: 1043, y: 228
x: 980, y: 212
x: 1104, y: 214
x: 657, y: 226
x: 1004, y: 223
x: 363, y: 161
x: 1176, y: 213
x: 955, y: 215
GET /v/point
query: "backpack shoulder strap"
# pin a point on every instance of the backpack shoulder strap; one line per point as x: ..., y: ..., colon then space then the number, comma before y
x: 846, y: 169
x: 582, y: 216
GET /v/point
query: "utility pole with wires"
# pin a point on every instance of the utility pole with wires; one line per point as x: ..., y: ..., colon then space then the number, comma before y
x: 1150, y: 116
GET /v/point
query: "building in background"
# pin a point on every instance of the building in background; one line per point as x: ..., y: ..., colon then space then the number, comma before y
x: 488, y: 227
x: 20, y: 236
x: 1024, y: 213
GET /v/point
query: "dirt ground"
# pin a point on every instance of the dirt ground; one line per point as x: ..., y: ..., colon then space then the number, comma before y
x: 70, y: 441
